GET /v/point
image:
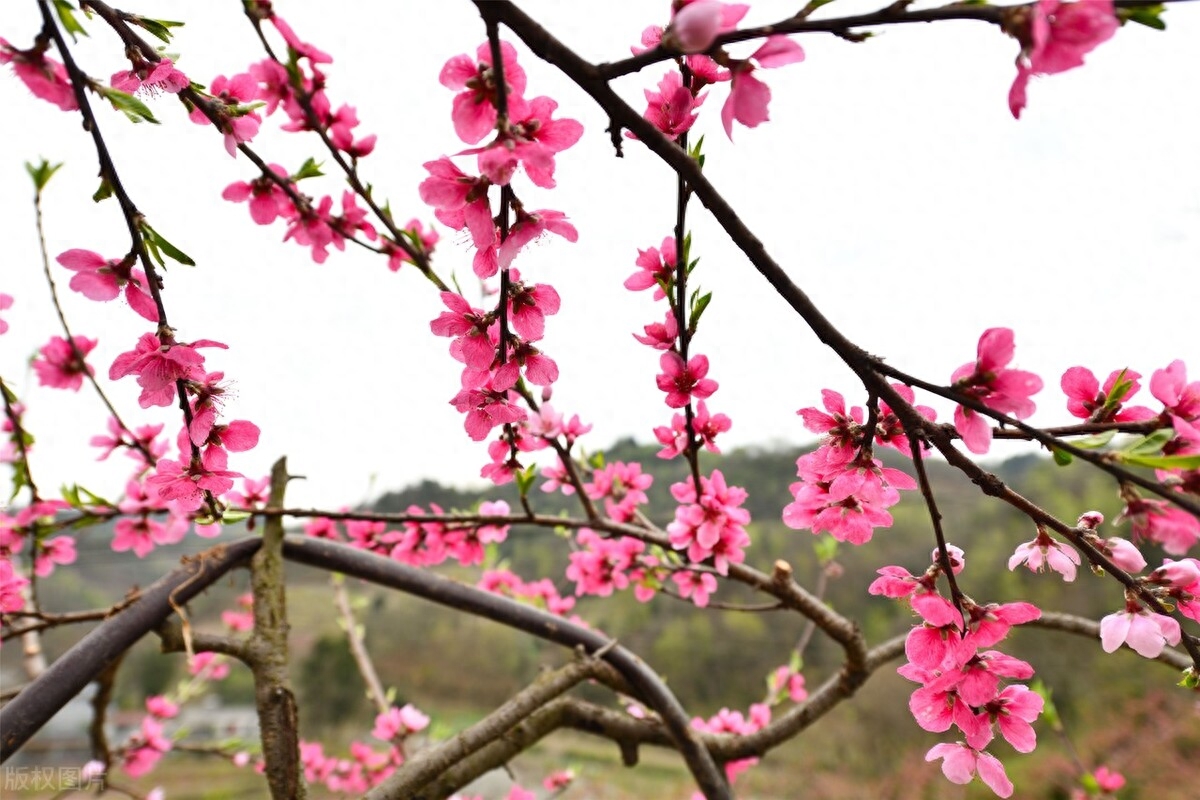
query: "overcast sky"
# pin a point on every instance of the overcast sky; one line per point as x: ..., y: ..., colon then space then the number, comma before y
x: 892, y: 183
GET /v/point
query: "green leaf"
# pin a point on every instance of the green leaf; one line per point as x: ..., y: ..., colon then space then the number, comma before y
x: 104, y: 192
x: 230, y: 517
x: 1149, y: 445
x: 156, y: 242
x: 160, y: 28
x: 1095, y: 441
x: 698, y: 306
x: 66, y: 15
x: 826, y: 548
x: 1163, y: 462
x: 133, y: 108
x: 597, y: 460
x: 309, y: 169
x: 525, y: 479
x: 93, y: 499
x: 71, y: 495
x: 41, y: 174
x: 1150, y: 16
x: 1061, y: 457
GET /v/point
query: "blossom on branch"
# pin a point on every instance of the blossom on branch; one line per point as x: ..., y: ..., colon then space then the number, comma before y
x: 1055, y: 36
x: 990, y: 382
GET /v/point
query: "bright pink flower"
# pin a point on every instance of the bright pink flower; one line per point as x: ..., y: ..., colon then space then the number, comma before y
x: 158, y: 366
x: 268, y: 201
x: 153, y: 78
x: 557, y: 781
x: 145, y: 748
x: 102, y: 280
x: 843, y: 495
x: 1108, y: 780
x: 6, y: 301
x: 57, y: 365
x: 602, y: 564
x: 682, y: 381
x: 59, y: 550
x: 1145, y: 632
x: 696, y: 585
x: 1086, y: 399
x: 786, y: 679
x: 12, y: 585
x: 399, y: 722
x: 711, y: 525
x: 672, y: 109
x: 658, y: 269
x: 45, y: 77
x: 705, y: 428
x: 529, y: 226
x: 160, y: 707
x: 237, y: 119
x: 748, y: 96
x: 1170, y: 526
x: 212, y: 666
x: 989, y: 381
x: 1046, y: 551
x: 532, y: 139
x: 1170, y: 387
x: 1058, y: 37
x: 622, y: 487
x: 474, y: 108
x: 962, y: 763
x: 423, y: 241
x: 183, y: 484
x: 661, y: 335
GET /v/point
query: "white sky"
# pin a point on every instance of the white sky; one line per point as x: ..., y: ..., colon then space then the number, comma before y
x: 892, y: 184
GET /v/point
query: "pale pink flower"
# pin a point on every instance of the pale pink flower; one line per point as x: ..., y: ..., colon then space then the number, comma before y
x: 1045, y: 551
x: 1123, y: 553
x: 530, y: 225
x: 1145, y: 632
x: 694, y: 26
x: 1058, y: 36
x: 961, y: 763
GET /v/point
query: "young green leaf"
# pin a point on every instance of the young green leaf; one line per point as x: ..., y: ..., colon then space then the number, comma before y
x: 66, y: 15
x: 155, y: 242
x: 133, y: 108
x: 41, y: 174
x: 159, y: 28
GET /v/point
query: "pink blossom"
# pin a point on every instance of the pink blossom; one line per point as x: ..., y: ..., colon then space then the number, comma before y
x: 102, y: 280
x: 787, y: 680
x: 696, y: 585
x: 658, y: 268
x: 694, y: 26
x: 268, y: 200
x: 184, y: 484
x: 137, y: 530
x: 399, y: 722
x: 12, y: 585
x: 161, y: 707
x: 421, y: 240
x: 159, y: 365
x: 529, y: 305
x: 557, y: 781
x: 844, y: 495
x: 236, y: 117
x: 961, y: 763
x: 672, y: 109
x: 1147, y: 633
x: 151, y: 77
x: 43, y: 76
x: 705, y: 428
x: 1046, y: 551
x: 531, y: 139
x: 748, y: 96
x: 6, y: 301
x: 210, y: 665
x: 1108, y: 780
x: 1058, y: 36
x: 711, y: 526
x: 661, y: 335
x: 474, y: 108
x: 1123, y: 553
x: 1172, y: 527
x: 988, y: 381
x: 1087, y: 399
x: 59, y: 367
x: 529, y: 226
x: 146, y: 748
x: 59, y: 550
x: 1170, y: 387
x: 683, y: 381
